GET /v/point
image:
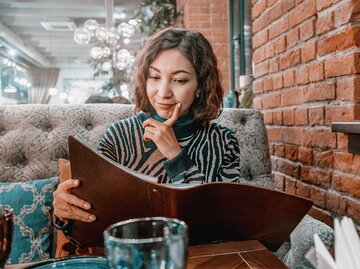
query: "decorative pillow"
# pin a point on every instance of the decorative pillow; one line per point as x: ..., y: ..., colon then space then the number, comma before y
x: 32, y: 206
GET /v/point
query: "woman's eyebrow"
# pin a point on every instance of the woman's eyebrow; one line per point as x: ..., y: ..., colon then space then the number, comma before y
x: 175, y: 72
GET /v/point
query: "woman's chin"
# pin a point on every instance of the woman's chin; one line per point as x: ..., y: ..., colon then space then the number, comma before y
x: 164, y: 114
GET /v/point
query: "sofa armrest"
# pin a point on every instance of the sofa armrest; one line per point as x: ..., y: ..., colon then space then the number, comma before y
x: 293, y: 251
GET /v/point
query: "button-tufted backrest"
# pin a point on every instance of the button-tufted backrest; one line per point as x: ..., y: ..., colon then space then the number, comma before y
x: 34, y: 137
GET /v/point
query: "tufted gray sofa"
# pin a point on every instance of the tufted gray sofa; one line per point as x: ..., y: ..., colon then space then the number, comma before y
x: 34, y: 137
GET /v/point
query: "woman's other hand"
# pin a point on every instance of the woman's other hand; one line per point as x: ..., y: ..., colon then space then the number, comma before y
x: 162, y: 134
x: 69, y: 206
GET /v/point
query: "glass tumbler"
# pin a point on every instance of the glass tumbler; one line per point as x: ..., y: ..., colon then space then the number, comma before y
x: 149, y: 243
x: 6, y: 233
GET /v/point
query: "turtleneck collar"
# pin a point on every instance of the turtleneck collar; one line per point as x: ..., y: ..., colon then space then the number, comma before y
x: 183, y: 127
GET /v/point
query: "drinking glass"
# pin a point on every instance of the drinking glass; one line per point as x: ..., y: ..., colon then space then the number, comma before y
x: 6, y: 233
x: 151, y: 243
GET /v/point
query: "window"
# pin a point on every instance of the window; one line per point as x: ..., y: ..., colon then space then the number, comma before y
x: 241, y: 52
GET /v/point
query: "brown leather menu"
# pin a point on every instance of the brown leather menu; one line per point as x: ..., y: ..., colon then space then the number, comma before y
x: 214, y: 211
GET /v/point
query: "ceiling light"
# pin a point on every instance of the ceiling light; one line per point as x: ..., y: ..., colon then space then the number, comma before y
x: 10, y: 89
x: 12, y: 52
x: 53, y: 91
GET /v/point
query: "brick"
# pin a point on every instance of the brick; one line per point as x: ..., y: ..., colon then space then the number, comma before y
x: 316, y: 71
x: 302, y: 12
x: 291, y: 152
x: 292, y: 97
x: 288, y: 116
x: 318, y: 196
x: 271, y: 100
x: 302, y: 189
x: 343, y: 161
x: 356, y: 164
x: 279, y: 27
x: 323, y: 4
x: 320, y: 91
x: 287, y: 5
x: 316, y: 115
x: 280, y: 44
x: 261, y: 69
x: 288, y: 78
x: 321, y: 215
x: 301, y: 116
x: 353, y: 209
x: 349, y: 184
x: 349, y: 38
x: 267, y: 117
x: 258, y: 9
x: 342, y: 141
x: 287, y: 167
x: 293, y: 135
x: 324, y: 158
x: 259, y: 55
x: 260, y: 38
x: 277, y: 117
x: 279, y: 150
x: 308, y: 51
x: 348, y: 11
x: 339, y: 113
x: 325, y: 23
x: 291, y: 58
x: 292, y: 37
x: 274, y: 133
x: 275, y: 11
x: 319, y: 177
x: 269, y: 50
x: 307, y: 29
x: 302, y: 75
x: 274, y: 65
x: 279, y: 181
x: 257, y: 86
x: 305, y: 155
x: 257, y: 102
x: 268, y: 83
x: 305, y: 172
x: 277, y: 81
x: 261, y: 22
x: 271, y: 2
x: 348, y: 88
x: 319, y: 137
x: 336, y: 203
x: 290, y: 185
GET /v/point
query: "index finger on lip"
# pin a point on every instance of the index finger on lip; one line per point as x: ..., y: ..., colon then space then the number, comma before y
x: 174, y: 115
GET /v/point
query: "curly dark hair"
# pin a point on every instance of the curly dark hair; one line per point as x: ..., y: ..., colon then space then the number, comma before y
x: 197, y: 49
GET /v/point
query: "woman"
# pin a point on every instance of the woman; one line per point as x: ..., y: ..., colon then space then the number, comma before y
x: 177, y: 92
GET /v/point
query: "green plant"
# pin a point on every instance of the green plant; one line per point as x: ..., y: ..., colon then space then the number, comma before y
x: 157, y: 14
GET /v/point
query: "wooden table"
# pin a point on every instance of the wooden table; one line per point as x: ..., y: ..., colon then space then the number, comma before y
x: 233, y: 255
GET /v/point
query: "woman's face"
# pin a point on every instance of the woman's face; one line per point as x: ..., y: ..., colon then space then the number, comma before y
x: 172, y: 80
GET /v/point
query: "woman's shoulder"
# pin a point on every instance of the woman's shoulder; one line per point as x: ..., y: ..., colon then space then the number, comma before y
x: 129, y: 121
x: 215, y: 127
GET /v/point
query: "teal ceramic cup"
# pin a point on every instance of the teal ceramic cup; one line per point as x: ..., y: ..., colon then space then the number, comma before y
x: 147, y: 243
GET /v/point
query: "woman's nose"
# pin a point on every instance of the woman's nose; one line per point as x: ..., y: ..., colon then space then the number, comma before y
x: 164, y: 89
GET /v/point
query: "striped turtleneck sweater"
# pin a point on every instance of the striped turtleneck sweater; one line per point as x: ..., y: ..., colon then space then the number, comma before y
x: 209, y: 153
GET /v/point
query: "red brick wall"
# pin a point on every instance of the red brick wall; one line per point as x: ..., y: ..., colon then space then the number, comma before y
x: 210, y: 17
x: 307, y: 65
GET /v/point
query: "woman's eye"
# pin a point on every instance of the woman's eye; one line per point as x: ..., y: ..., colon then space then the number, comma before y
x: 180, y: 81
x: 154, y: 77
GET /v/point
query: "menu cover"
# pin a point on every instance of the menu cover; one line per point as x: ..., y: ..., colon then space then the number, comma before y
x: 214, y: 212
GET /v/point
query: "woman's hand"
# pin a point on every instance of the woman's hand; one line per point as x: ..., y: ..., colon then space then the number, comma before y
x: 162, y: 134
x: 69, y: 206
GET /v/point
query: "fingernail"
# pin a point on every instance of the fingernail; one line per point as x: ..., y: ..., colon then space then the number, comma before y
x: 87, y: 206
x: 179, y: 105
x: 76, y: 182
x: 92, y: 217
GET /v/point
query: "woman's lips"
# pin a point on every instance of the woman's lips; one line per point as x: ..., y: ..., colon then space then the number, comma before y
x: 164, y: 106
